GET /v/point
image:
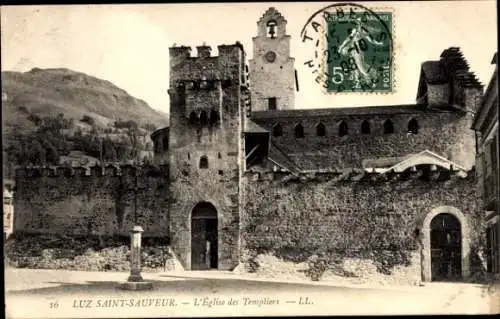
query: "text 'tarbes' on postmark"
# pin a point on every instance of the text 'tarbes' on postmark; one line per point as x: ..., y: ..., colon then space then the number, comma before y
x: 351, y: 48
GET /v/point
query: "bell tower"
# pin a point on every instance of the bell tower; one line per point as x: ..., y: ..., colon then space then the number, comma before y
x: 272, y: 73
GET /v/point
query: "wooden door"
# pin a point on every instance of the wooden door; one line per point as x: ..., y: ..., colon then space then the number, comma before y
x: 198, y: 244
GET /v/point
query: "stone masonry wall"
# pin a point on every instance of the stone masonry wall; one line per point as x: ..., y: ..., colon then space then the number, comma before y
x: 445, y: 133
x: 372, y: 222
x: 272, y: 79
x: 92, y: 205
x: 218, y: 183
x: 438, y: 94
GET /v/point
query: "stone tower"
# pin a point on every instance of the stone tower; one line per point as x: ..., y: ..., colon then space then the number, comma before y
x: 204, y: 154
x: 272, y: 73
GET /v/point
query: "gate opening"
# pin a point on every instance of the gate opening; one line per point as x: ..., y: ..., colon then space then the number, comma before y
x: 204, y: 237
x: 446, y: 248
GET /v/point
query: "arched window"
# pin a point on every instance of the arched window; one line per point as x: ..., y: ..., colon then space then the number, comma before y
x: 203, y: 118
x: 277, y: 130
x: 365, y: 127
x: 343, y: 129
x: 165, y: 143
x: 413, y: 126
x: 214, y: 117
x: 272, y: 29
x: 203, y: 162
x: 193, y: 119
x: 299, y: 131
x: 320, y: 130
x: 388, y: 127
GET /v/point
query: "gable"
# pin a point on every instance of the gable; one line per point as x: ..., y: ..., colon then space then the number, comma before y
x: 424, y: 158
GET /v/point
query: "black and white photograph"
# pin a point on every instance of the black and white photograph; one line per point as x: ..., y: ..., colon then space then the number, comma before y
x: 250, y: 159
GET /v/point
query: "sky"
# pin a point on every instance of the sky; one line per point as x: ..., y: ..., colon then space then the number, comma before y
x: 128, y: 44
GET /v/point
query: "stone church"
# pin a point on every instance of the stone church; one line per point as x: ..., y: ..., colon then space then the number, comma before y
x: 242, y: 170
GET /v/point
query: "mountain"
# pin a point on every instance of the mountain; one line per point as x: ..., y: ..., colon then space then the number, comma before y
x: 48, y: 92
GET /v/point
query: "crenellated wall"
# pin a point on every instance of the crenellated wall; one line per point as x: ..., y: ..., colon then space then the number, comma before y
x: 89, y: 200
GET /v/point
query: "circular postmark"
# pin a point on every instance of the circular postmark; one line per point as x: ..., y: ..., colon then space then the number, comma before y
x: 352, y: 48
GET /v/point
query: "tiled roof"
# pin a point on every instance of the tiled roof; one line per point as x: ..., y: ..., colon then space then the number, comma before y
x: 252, y: 127
x: 339, y: 111
x: 165, y: 129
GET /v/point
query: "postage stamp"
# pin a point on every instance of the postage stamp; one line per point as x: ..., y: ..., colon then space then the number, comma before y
x: 353, y: 48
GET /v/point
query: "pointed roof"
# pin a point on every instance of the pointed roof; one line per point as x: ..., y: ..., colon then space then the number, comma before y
x: 272, y: 14
x: 424, y: 157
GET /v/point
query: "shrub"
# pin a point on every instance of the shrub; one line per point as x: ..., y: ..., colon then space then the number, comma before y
x: 88, y: 119
x: 317, y: 267
x: 90, y: 253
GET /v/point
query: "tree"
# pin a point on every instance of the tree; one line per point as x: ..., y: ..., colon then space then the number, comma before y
x: 52, y: 154
x: 88, y: 119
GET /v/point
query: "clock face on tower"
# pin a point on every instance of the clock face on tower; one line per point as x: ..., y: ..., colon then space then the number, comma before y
x: 270, y: 56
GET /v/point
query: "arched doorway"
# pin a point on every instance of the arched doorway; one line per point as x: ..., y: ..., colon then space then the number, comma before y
x: 204, y: 237
x: 445, y: 245
x: 446, y: 240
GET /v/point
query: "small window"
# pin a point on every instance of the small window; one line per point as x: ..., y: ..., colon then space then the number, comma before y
x: 413, y: 126
x: 219, y: 155
x: 271, y: 103
x: 320, y: 130
x: 193, y: 119
x: 214, y: 117
x: 271, y: 29
x: 203, y: 118
x: 299, y: 131
x: 365, y: 127
x: 189, y: 156
x: 343, y: 129
x: 226, y: 83
x: 493, y: 152
x: 165, y: 143
x: 203, y: 162
x: 221, y: 172
x: 277, y: 130
x: 388, y: 127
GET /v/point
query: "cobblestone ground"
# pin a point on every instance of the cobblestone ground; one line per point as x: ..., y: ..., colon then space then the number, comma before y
x: 64, y: 294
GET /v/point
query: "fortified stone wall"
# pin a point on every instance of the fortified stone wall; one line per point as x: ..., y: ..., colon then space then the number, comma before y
x: 83, y: 201
x: 349, y: 220
x: 445, y: 133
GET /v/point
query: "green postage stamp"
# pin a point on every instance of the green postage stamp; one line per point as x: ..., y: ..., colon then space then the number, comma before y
x: 361, y: 52
x: 354, y: 49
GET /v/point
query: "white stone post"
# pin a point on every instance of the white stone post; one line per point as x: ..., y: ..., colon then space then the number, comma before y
x: 135, y: 281
x: 135, y: 254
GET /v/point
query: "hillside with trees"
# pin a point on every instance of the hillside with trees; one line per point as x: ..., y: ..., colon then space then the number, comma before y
x: 62, y: 117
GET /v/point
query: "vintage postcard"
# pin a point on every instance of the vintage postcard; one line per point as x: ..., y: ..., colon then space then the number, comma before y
x: 250, y: 159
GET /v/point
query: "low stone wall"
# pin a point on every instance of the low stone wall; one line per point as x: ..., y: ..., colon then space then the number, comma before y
x: 347, y: 271
x: 87, y: 254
